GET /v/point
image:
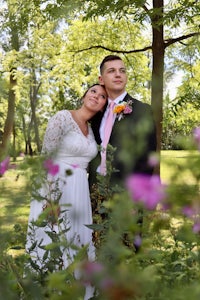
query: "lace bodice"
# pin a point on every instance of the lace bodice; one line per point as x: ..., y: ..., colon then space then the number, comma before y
x: 65, y: 141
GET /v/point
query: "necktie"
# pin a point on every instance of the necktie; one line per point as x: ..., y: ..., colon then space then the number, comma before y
x: 107, y: 133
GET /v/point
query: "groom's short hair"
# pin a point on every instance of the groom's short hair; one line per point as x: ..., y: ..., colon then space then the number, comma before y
x: 106, y: 59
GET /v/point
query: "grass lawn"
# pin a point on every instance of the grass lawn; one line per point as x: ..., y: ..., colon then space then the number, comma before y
x: 173, y: 163
x: 14, y: 206
x: 15, y: 198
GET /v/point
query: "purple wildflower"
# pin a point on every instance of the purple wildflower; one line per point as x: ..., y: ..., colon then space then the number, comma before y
x: 146, y: 189
x: 90, y: 270
x: 188, y: 211
x: 196, y: 134
x: 106, y: 283
x: 137, y: 241
x: 51, y: 168
x: 153, y: 159
x: 95, y: 273
x: 4, y: 165
x: 196, y: 227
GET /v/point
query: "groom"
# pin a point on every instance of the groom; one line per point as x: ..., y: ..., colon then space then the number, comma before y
x: 133, y: 133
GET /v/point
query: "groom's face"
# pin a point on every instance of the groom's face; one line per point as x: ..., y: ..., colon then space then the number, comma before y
x: 114, y: 76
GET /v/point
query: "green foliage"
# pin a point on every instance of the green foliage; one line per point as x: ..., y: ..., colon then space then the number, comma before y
x: 168, y: 257
x: 47, y: 68
x: 180, y: 115
x: 117, y: 35
x: 186, y: 119
x: 51, y: 54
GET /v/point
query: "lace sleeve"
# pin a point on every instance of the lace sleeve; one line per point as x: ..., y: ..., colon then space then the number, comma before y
x: 56, y: 129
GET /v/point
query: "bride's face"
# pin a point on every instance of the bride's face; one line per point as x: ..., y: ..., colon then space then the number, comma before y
x: 96, y: 98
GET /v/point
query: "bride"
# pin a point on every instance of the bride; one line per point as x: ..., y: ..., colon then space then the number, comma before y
x: 69, y: 145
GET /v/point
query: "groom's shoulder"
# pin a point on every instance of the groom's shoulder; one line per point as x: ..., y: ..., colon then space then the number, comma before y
x: 137, y: 103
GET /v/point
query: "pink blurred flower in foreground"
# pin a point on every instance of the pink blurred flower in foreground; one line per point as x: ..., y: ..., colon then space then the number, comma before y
x: 196, y: 134
x: 4, y: 165
x: 146, y: 189
x: 153, y: 159
x: 90, y: 270
x: 193, y: 214
x: 106, y: 283
x: 95, y: 273
x: 51, y: 168
x: 196, y: 227
x: 190, y: 212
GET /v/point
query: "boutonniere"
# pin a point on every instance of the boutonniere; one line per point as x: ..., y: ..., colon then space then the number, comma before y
x: 123, y: 108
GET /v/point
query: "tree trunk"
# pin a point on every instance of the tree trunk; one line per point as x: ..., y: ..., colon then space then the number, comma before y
x: 29, y: 140
x: 8, y: 127
x: 24, y: 134
x: 34, y: 123
x: 157, y: 70
x: 9, y: 123
x: 14, y: 144
x: 34, y: 101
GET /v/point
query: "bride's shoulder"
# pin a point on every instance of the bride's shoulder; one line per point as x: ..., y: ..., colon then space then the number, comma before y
x: 61, y: 118
x: 62, y: 115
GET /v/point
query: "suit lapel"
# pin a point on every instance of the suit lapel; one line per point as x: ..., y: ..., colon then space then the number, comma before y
x: 127, y: 98
x: 115, y: 135
x: 97, y: 121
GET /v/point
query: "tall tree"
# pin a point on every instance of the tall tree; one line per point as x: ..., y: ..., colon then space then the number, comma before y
x: 21, y: 22
x: 37, y: 62
x: 13, y: 19
x: 155, y: 15
x: 14, y: 45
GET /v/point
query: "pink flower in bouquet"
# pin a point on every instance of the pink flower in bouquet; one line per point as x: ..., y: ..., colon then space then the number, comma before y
x: 51, y: 168
x: 146, y: 189
x: 127, y: 109
x: 4, y: 165
x: 123, y: 108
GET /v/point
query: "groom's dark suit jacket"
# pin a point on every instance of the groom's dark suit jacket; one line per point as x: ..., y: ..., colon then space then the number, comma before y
x: 134, y: 138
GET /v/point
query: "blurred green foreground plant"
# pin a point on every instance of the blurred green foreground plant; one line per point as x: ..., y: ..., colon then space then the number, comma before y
x: 167, y: 265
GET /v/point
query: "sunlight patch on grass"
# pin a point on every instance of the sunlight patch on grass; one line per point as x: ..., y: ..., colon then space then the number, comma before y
x: 175, y: 166
x: 15, y: 253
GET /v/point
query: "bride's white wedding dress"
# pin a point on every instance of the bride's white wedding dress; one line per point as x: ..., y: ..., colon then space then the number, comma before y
x: 72, y: 151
